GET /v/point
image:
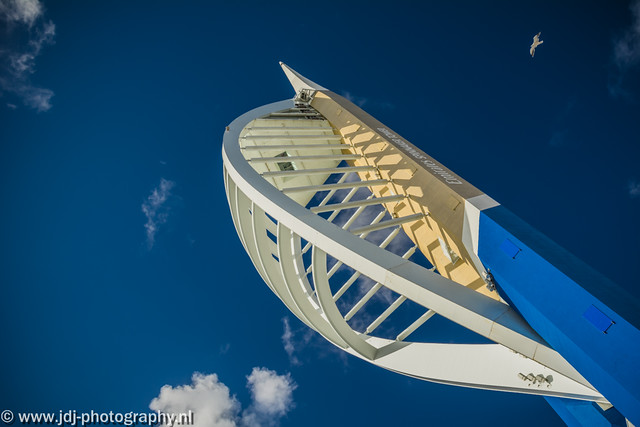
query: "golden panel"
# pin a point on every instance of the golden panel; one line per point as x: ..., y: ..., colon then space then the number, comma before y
x: 428, y: 190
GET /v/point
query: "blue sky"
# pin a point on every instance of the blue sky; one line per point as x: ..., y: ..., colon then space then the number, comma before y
x: 120, y: 268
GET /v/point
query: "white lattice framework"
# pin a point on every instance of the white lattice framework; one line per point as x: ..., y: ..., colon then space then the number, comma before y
x: 278, y: 158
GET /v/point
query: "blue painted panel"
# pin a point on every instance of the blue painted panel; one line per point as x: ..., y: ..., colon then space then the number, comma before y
x: 552, y: 290
x: 509, y: 248
x: 598, y: 319
x: 577, y: 413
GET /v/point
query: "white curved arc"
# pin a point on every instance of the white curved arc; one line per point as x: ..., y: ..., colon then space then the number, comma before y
x: 245, y: 231
x: 299, y: 82
x: 287, y: 254
x: 231, y: 190
x: 485, y: 366
x: 268, y: 263
x: 462, y: 305
x: 325, y: 298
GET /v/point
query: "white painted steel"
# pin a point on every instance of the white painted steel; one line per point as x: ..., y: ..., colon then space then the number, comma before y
x: 415, y: 325
x: 323, y: 171
x: 387, y: 224
x: 309, y: 147
x: 324, y: 187
x: 312, y: 158
x: 293, y: 136
x: 393, y: 307
x: 357, y: 204
x: 518, y: 348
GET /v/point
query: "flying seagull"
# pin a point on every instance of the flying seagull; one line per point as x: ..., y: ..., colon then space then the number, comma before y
x: 536, y: 42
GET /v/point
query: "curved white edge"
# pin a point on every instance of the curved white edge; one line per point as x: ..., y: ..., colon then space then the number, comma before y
x: 298, y: 81
x: 492, y: 366
x: 471, y: 226
x: 472, y: 310
x: 289, y: 253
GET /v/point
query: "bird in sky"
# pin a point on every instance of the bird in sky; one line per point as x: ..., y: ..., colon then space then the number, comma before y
x: 536, y: 43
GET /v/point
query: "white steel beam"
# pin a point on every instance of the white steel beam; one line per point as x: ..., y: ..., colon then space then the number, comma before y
x: 324, y: 201
x: 329, y: 195
x: 295, y: 147
x: 289, y: 251
x: 318, y: 119
x: 325, y: 299
x: 375, y: 288
x: 355, y: 215
x: 293, y: 128
x: 269, y: 265
x: 339, y: 157
x: 415, y: 325
x: 347, y: 285
x: 337, y: 186
x: 489, y: 366
x: 370, y: 293
x: 358, y: 203
x: 293, y: 113
x: 301, y: 137
x: 348, y: 197
x: 393, y: 307
x: 382, y: 245
x: 387, y: 224
x: 321, y: 171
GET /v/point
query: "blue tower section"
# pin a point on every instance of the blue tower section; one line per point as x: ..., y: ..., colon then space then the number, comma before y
x: 592, y: 322
x: 576, y: 413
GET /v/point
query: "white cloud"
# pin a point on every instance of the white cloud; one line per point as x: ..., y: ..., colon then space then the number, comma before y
x: 36, y: 98
x: 272, y: 396
x: 626, y: 50
x: 287, y: 341
x: 155, y: 209
x: 224, y: 348
x: 626, y: 53
x: 20, y: 11
x: 359, y: 101
x: 24, y: 63
x: 213, y: 405
x: 18, y: 66
x: 634, y: 189
x: 304, y: 338
x: 208, y: 398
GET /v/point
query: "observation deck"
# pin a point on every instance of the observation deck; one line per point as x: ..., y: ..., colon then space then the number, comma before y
x: 380, y: 249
